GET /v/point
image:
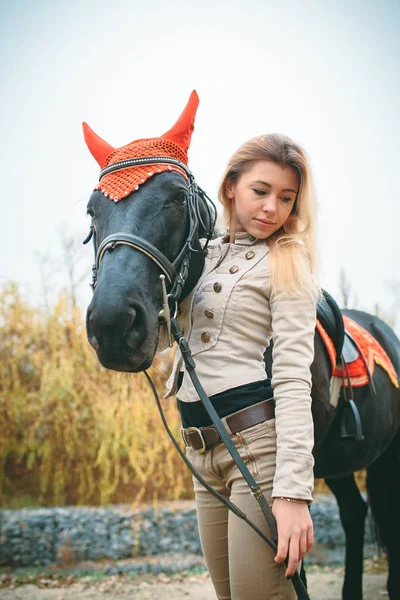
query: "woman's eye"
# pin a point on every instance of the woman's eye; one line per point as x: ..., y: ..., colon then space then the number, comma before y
x: 287, y: 199
x: 259, y: 192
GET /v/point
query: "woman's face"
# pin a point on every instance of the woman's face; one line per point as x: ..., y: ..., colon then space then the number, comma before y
x: 262, y: 199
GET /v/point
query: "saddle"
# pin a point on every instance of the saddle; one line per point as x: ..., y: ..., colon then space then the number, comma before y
x: 342, y: 350
x: 331, y: 319
x: 353, y: 353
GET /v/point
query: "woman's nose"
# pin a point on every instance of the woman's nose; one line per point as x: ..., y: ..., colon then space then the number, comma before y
x: 269, y: 204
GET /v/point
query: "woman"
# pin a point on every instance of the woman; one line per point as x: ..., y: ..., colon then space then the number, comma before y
x: 258, y: 283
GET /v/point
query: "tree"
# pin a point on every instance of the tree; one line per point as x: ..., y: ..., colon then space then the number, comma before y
x: 73, y: 262
x: 346, y: 290
x: 47, y: 270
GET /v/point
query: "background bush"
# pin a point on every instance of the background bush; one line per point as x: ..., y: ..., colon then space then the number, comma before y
x: 72, y: 432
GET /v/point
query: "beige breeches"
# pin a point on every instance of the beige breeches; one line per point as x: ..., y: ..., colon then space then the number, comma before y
x: 240, y: 563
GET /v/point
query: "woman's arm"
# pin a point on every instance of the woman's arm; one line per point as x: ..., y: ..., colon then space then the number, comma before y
x: 293, y: 325
x: 293, y: 330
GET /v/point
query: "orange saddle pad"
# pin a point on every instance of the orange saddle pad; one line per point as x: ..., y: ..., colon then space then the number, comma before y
x: 369, y: 348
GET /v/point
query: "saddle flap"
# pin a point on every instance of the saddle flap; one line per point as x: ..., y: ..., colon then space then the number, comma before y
x: 330, y: 317
x: 349, y: 350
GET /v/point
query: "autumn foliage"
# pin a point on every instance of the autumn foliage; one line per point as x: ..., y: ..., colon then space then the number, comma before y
x: 72, y: 432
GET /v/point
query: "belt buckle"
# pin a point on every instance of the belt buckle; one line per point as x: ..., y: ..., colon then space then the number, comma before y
x: 197, y: 430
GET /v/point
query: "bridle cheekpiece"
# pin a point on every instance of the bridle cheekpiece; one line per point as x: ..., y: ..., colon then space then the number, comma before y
x: 176, y: 272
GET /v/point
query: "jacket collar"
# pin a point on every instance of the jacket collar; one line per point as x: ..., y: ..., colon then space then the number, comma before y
x: 242, y: 238
x: 219, y: 247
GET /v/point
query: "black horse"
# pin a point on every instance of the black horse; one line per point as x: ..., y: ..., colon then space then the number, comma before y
x: 123, y: 323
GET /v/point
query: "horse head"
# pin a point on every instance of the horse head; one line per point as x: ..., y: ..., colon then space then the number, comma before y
x: 148, y: 216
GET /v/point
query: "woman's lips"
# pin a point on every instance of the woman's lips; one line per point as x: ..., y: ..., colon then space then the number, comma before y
x: 265, y: 222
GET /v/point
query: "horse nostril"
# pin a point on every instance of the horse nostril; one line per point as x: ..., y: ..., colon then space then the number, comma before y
x: 93, y: 342
x: 137, y: 329
x: 116, y: 324
x: 90, y: 317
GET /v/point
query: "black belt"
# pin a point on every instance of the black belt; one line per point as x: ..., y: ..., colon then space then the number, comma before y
x: 204, y: 438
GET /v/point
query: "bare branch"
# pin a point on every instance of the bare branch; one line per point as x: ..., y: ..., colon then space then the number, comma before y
x: 46, y: 265
x: 345, y: 287
x: 73, y: 262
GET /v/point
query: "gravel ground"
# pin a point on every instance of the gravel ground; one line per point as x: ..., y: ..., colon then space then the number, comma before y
x: 324, y: 584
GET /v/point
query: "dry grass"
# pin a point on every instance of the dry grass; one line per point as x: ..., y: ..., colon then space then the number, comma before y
x: 73, y: 432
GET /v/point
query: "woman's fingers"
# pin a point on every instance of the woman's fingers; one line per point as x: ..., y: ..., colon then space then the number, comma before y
x: 295, y: 533
x: 294, y: 554
x: 310, y: 536
x: 289, y: 549
x: 303, y: 545
x: 283, y: 547
x: 298, y: 547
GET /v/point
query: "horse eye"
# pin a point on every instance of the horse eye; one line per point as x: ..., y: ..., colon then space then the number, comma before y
x: 180, y: 198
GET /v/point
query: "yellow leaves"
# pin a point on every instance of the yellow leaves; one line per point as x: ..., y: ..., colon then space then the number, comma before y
x: 85, y: 435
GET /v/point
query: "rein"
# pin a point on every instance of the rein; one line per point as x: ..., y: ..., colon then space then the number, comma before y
x: 176, y: 274
x: 190, y: 365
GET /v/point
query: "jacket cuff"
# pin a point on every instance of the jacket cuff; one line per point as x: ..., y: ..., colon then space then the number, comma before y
x: 294, y: 476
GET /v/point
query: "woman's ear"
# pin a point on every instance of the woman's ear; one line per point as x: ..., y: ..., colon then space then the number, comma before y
x: 230, y: 189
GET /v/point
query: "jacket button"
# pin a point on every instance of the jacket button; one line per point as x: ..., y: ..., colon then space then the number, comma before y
x: 217, y: 287
x: 234, y: 269
x: 209, y: 313
x: 250, y: 254
x: 205, y: 337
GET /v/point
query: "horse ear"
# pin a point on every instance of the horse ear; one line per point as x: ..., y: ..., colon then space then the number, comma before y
x: 181, y: 132
x: 98, y: 147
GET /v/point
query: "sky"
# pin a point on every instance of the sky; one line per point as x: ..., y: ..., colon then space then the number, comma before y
x: 325, y: 73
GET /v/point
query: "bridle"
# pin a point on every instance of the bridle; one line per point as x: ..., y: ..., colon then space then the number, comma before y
x: 175, y: 272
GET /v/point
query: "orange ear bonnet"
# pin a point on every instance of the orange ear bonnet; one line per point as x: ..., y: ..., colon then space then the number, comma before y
x: 174, y: 144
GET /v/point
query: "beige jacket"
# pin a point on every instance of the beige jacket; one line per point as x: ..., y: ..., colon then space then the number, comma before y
x: 229, y: 320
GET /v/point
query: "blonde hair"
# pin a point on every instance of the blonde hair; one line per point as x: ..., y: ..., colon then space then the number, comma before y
x: 293, y: 252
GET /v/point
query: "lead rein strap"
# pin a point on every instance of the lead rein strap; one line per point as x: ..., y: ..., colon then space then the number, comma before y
x: 235, y: 509
x: 255, y: 488
x: 296, y: 581
x: 212, y: 413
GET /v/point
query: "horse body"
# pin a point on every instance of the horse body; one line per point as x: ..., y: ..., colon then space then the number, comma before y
x: 123, y: 328
x: 379, y: 452
x: 336, y: 459
x: 379, y: 414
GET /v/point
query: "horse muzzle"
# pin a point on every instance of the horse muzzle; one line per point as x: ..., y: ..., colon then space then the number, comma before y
x: 119, y: 333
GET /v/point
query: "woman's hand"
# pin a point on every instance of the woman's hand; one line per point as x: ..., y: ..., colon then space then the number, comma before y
x: 295, y: 532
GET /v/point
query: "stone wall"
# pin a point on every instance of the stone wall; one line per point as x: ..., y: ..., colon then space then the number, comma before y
x: 44, y: 536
